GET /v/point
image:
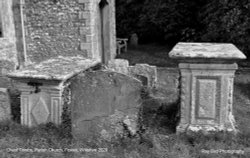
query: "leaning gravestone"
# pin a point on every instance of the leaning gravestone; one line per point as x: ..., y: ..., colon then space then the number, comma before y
x: 105, y: 105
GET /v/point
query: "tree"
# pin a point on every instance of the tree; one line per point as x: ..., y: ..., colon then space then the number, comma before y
x: 171, y: 21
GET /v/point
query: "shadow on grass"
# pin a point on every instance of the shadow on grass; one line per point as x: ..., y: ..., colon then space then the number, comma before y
x: 241, y: 105
x: 159, y: 115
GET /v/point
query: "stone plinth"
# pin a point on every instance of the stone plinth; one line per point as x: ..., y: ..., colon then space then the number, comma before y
x: 42, y: 86
x: 207, y: 78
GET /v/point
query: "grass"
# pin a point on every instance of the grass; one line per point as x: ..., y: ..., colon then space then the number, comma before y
x: 153, y: 54
x: 156, y: 139
x: 153, y: 142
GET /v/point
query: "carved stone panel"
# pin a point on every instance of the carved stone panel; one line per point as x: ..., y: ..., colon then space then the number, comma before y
x: 56, y: 110
x: 206, y: 99
x: 42, y: 107
x: 37, y: 110
x: 206, y: 102
x: 40, y: 111
x: 210, y: 92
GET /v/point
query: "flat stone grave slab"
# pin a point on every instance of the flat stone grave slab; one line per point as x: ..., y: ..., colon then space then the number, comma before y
x: 42, y: 87
x: 60, y: 68
x: 205, y: 51
x: 104, y: 105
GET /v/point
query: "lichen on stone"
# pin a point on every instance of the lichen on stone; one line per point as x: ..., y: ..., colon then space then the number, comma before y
x: 60, y: 68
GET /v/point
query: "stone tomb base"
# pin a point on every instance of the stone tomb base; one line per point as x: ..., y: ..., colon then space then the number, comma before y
x: 207, y: 79
x: 105, y: 105
x: 42, y: 88
x: 206, y: 97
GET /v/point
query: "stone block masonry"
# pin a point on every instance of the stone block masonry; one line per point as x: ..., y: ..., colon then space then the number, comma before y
x: 207, y: 78
x: 38, y: 32
x: 52, y: 29
x: 8, y: 55
x: 68, y: 28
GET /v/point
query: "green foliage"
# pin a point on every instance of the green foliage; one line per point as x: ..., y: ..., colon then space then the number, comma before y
x: 180, y: 20
x: 227, y: 21
x: 157, y: 20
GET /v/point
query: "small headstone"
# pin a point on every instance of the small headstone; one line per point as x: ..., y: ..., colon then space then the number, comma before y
x: 133, y: 40
x: 119, y: 65
x: 103, y: 103
x: 148, y: 71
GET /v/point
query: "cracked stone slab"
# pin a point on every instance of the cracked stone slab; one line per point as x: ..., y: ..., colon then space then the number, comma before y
x: 60, y: 68
x: 225, y: 51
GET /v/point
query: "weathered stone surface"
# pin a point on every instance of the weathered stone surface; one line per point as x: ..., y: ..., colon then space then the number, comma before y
x: 41, y: 102
x: 167, y: 86
x: 60, y: 68
x: 105, y: 106
x: 119, y: 65
x: 206, y: 98
x: 52, y: 29
x: 68, y: 28
x: 8, y: 52
x: 148, y: 71
x: 42, y: 87
x: 206, y: 50
x: 5, y: 68
x: 34, y: 31
x: 207, y: 88
x: 206, y: 103
x: 5, y: 113
x: 144, y: 72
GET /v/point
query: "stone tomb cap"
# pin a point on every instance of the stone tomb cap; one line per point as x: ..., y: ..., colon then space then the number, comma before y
x: 59, y: 68
x: 206, y: 51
